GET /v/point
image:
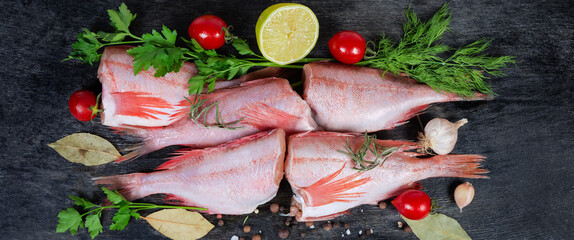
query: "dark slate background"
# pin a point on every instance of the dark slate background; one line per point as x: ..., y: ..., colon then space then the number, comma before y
x: 525, y: 132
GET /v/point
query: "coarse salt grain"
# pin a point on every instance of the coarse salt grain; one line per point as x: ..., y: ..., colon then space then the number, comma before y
x: 234, y: 237
x: 348, y: 232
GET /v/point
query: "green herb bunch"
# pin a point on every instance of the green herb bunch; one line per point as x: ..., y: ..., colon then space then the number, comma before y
x: 369, y: 145
x: 70, y: 219
x: 419, y: 56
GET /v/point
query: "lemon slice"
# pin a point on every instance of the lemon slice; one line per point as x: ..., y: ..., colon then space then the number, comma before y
x: 286, y: 32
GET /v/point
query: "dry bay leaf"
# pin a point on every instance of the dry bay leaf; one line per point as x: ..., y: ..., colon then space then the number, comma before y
x: 179, y: 223
x: 437, y: 226
x: 85, y: 148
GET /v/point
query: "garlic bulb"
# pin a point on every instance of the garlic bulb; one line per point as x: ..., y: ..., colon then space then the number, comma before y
x: 440, y: 135
x: 463, y: 195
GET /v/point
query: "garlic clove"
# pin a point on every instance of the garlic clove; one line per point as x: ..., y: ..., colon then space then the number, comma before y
x: 463, y: 195
x: 441, y: 135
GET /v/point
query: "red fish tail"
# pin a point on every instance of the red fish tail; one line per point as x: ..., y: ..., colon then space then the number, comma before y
x: 464, y: 166
x: 138, y: 149
x: 134, y: 151
x: 126, y: 185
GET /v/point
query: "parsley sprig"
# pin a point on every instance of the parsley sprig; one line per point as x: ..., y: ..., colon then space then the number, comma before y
x: 420, y: 56
x: 369, y: 145
x: 70, y: 219
x: 86, y: 48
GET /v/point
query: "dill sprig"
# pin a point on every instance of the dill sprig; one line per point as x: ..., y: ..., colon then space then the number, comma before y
x: 419, y: 55
x: 369, y: 145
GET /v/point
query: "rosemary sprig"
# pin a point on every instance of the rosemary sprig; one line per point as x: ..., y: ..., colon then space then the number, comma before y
x: 419, y: 56
x: 200, y: 117
x: 369, y: 145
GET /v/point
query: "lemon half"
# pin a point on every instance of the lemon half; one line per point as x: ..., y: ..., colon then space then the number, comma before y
x: 286, y: 32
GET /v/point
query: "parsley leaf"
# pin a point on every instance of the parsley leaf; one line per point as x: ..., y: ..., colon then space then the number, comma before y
x: 82, y: 202
x: 112, y: 37
x: 122, y: 18
x: 94, y: 225
x: 121, y: 218
x: 69, y: 219
x: 86, y: 48
x: 89, y: 43
x: 114, y: 196
x: 242, y: 48
x: 158, y: 51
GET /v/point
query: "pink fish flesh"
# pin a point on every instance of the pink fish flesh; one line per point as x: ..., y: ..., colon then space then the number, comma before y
x: 144, y: 100
x: 349, y: 98
x: 233, y: 178
x: 141, y: 99
x: 259, y: 105
x: 325, y: 185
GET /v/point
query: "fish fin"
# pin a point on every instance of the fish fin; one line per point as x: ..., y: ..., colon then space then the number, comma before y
x: 463, y: 166
x: 263, y: 116
x: 323, y: 218
x: 179, y: 157
x: 411, y: 114
x: 408, y: 186
x: 172, y: 199
x: 134, y: 151
x: 403, y: 145
x: 146, y: 105
x: 184, y: 108
x: 138, y: 149
x: 126, y: 185
x: 326, y: 191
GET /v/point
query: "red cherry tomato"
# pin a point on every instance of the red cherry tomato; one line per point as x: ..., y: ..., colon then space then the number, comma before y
x: 413, y: 204
x: 208, y: 31
x: 81, y: 105
x: 347, y: 47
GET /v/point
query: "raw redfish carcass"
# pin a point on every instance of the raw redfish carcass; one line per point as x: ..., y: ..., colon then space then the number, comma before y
x: 145, y: 100
x: 325, y: 185
x: 233, y: 178
x: 258, y: 105
x: 350, y: 98
x: 141, y: 99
